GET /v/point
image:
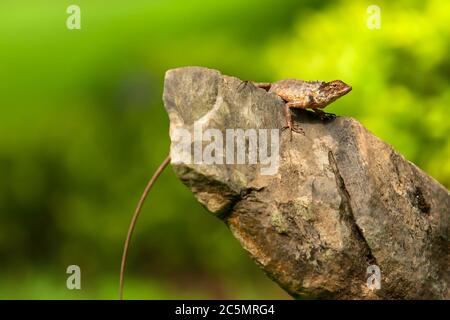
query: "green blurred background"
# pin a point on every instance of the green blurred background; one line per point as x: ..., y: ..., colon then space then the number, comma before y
x: 82, y: 127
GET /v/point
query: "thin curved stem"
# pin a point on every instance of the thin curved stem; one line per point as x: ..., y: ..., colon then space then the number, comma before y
x: 134, y: 220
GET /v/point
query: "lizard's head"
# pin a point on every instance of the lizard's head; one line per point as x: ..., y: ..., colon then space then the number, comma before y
x: 335, y: 89
x: 330, y: 91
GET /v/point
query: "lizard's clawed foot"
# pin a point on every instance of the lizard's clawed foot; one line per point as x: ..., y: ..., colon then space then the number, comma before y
x: 298, y: 130
x: 324, y: 116
x: 329, y: 116
x: 293, y: 129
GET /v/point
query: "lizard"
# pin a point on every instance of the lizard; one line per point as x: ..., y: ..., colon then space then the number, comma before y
x: 314, y: 95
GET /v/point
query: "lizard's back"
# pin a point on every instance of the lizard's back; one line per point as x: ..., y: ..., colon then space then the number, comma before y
x: 293, y: 89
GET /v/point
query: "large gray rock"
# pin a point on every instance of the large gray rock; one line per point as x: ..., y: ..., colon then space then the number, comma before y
x: 340, y: 201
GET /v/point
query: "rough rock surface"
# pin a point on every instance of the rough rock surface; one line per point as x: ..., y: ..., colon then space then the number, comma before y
x: 341, y: 199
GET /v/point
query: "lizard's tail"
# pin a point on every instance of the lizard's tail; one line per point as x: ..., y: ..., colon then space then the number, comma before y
x: 134, y: 219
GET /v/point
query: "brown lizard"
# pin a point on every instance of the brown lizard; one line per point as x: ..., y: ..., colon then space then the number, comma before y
x: 314, y: 95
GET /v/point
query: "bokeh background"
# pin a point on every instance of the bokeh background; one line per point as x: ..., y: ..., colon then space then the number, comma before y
x: 82, y: 127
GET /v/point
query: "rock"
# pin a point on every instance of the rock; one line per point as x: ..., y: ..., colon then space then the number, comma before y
x: 339, y: 200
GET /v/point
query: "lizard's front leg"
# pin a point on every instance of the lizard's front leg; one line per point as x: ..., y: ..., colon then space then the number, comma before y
x: 302, y: 104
